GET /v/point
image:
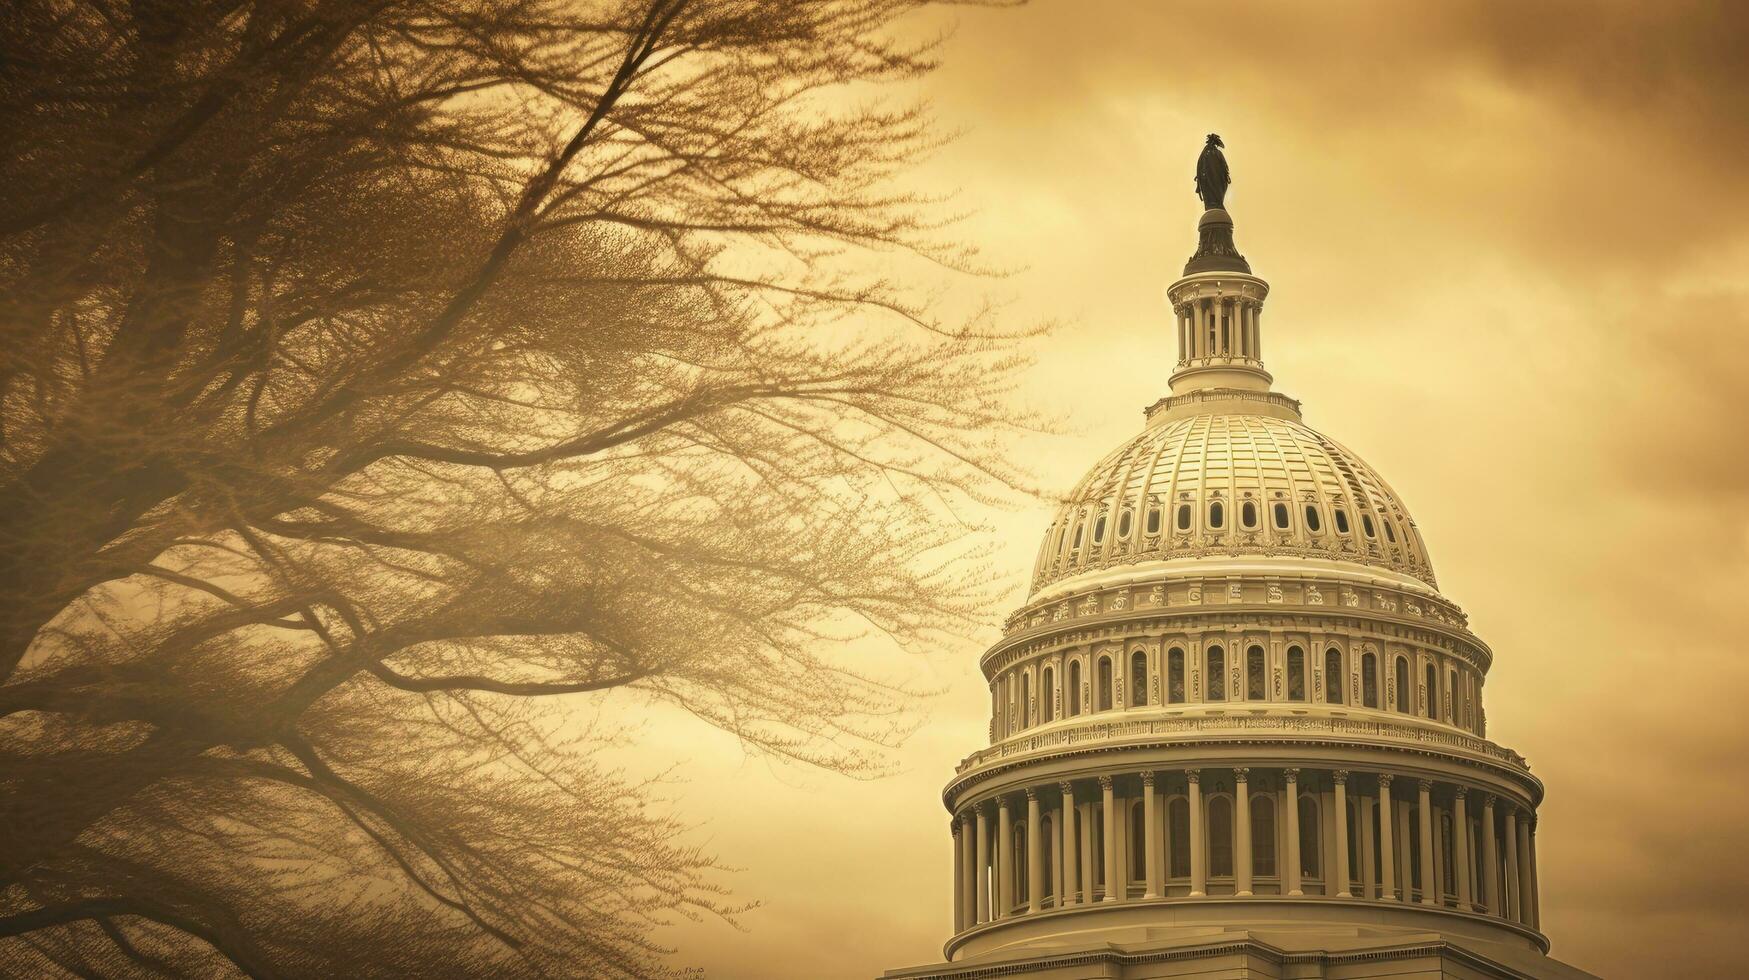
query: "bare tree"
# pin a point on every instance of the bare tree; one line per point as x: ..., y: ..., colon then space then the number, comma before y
x: 374, y: 372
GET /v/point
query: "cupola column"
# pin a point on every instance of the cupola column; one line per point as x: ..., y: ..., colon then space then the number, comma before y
x: 1198, y: 835
x: 1387, y: 853
x: 1536, y: 906
x: 1291, y: 801
x: 1109, y: 806
x: 983, y: 865
x: 1339, y: 779
x: 1424, y: 806
x: 1513, y: 905
x: 1071, y: 848
x: 1004, y: 860
x: 959, y: 876
x: 1460, y: 823
x: 1035, y: 865
x: 968, y: 871
x: 1151, y: 833
x: 1491, y: 860
x: 1242, y: 837
x: 1526, y: 886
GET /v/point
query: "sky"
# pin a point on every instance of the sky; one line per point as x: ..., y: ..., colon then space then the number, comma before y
x: 1506, y: 245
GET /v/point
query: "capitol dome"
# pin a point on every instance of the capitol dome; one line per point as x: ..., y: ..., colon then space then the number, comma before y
x: 1235, y: 728
x: 1214, y: 485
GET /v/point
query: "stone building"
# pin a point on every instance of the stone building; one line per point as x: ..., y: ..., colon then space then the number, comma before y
x: 1236, y: 728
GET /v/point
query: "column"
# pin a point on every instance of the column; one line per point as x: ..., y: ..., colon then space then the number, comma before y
x: 983, y: 865
x: 1291, y: 874
x: 1089, y: 860
x: 1340, y: 778
x: 1004, y: 860
x: 1257, y: 331
x: 1069, y: 874
x: 968, y: 871
x: 1526, y: 887
x: 1514, y: 898
x: 1199, y: 858
x: 1242, y: 836
x: 1490, y: 860
x: 1424, y: 803
x: 1460, y: 850
x: 1196, y: 328
x: 1035, y: 864
x: 1536, y: 906
x: 1110, y: 856
x: 959, y: 877
x: 1151, y: 833
x: 1387, y: 853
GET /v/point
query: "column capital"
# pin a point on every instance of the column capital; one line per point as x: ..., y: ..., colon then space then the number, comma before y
x: 1031, y: 794
x: 1385, y: 779
x: 1193, y: 775
x: 1460, y: 793
x: 1067, y: 787
x: 1242, y: 774
x: 1339, y: 776
x: 1291, y: 774
x: 1148, y: 779
x: 966, y: 816
x: 1424, y: 785
x: 954, y: 826
x: 1001, y: 802
x: 1105, y: 782
x: 1488, y: 801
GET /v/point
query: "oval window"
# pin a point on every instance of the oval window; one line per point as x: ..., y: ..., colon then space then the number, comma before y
x: 1280, y: 516
x: 1312, y: 521
x: 1099, y: 529
x: 1153, y: 520
x: 1123, y: 524
x: 1248, y: 514
x: 1184, y: 517
x: 1077, y: 542
x: 1341, y: 521
x: 1216, y: 515
x: 1366, y: 524
x: 1390, y: 534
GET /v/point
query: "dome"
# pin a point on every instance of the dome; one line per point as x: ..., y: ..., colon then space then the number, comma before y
x: 1229, y: 485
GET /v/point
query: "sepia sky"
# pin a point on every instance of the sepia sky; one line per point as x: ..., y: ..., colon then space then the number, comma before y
x: 1506, y: 244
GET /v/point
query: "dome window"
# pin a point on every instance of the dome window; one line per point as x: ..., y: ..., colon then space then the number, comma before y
x: 1099, y: 530
x: 1280, y: 513
x: 1217, y: 515
x: 1184, y: 517
x: 1366, y: 525
x: 1248, y: 514
x: 1124, y: 522
x: 1341, y: 521
x: 1077, y: 543
x: 1313, y: 523
x: 1153, y: 520
x: 1390, y: 535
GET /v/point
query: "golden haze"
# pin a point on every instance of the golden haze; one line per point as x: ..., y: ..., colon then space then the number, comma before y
x: 1505, y: 243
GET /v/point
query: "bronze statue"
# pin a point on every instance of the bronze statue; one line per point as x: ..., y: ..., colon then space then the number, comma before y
x: 1211, y: 174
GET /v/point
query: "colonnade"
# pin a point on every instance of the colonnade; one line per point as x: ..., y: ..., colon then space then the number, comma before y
x: 1245, y: 832
x: 1217, y: 326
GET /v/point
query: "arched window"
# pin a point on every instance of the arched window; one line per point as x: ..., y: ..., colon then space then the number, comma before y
x: 1220, y: 836
x: 1099, y: 530
x: 1369, y: 680
x: 1296, y: 674
x: 1263, y: 835
x: 1313, y: 523
x: 1216, y: 515
x: 1025, y: 700
x: 1217, y: 673
x: 1124, y: 521
x: 1105, y: 680
x: 1048, y: 687
x: 1311, y: 853
x: 1138, y: 678
x: 1138, y: 845
x: 1021, y: 895
x: 1078, y: 528
x: 1072, y: 696
x: 1404, y: 705
x: 1432, y: 674
x: 1333, y: 676
x: 1366, y: 525
x: 1178, y: 837
x: 1256, y: 675
x: 1390, y: 535
x: 1184, y: 517
x: 1457, y: 700
x: 1280, y: 516
x: 1248, y: 514
x: 1341, y: 520
x: 1154, y: 519
x: 1175, y: 676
